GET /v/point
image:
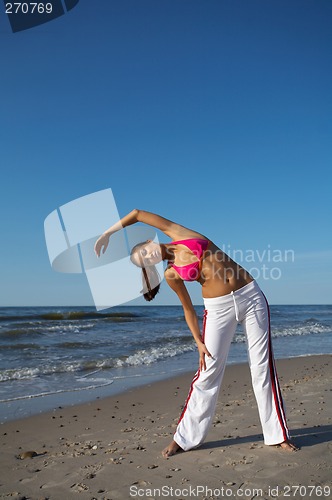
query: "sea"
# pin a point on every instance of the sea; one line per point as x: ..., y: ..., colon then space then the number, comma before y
x: 59, y: 356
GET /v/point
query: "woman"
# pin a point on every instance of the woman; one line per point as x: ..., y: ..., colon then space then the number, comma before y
x: 231, y: 296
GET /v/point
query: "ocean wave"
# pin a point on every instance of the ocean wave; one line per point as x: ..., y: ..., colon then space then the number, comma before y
x: 16, y: 333
x: 307, y: 329
x: 72, y: 345
x: 142, y: 357
x: 69, y: 327
x: 149, y: 356
x: 59, y: 391
x: 72, y: 315
x: 19, y: 347
x: 38, y: 330
x: 292, y: 331
x: 20, y: 373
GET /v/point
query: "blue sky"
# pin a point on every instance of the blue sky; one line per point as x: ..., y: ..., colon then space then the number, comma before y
x: 215, y: 114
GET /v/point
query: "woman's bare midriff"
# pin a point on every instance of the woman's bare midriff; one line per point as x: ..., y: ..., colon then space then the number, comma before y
x: 220, y: 275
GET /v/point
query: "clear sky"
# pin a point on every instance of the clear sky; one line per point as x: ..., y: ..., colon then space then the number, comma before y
x: 214, y: 113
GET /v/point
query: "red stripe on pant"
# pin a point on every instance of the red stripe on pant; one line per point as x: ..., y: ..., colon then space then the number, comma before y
x: 197, y: 374
x: 275, y: 383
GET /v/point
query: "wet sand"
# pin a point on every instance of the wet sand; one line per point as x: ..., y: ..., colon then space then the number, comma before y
x: 111, y: 448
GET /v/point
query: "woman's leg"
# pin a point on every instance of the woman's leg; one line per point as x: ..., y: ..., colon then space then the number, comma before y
x: 256, y: 323
x: 218, y: 331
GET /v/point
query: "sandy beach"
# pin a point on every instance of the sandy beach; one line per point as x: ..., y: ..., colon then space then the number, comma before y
x: 111, y: 448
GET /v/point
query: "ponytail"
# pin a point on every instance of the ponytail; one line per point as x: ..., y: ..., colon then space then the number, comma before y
x: 150, y: 282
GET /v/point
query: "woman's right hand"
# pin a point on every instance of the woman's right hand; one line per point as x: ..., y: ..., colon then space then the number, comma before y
x: 202, y: 353
x: 101, y: 243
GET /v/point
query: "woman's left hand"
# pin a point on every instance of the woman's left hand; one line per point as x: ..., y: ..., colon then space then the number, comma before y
x: 101, y: 244
x: 202, y: 353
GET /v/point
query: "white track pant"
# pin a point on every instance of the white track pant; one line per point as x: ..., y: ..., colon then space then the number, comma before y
x: 249, y: 307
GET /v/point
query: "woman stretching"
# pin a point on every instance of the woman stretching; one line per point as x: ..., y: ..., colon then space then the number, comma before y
x: 231, y: 296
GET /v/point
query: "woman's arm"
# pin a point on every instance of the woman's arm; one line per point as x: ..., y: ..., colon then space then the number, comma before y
x: 171, y: 229
x: 190, y: 315
x: 129, y: 219
x: 149, y: 218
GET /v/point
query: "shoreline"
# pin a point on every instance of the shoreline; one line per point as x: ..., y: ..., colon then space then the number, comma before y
x: 110, y: 448
x: 25, y: 407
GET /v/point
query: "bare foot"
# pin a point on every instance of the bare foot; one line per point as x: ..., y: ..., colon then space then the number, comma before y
x: 170, y: 450
x: 287, y: 445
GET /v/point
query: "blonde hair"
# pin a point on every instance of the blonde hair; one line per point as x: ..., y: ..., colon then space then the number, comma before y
x: 150, y: 276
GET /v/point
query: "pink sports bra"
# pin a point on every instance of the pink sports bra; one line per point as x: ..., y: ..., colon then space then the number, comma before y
x: 190, y: 272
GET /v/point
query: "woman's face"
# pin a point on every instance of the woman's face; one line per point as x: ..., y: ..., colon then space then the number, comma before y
x: 148, y: 254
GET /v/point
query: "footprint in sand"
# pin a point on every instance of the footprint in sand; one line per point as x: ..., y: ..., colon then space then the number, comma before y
x: 79, y: 487
x: 51, y: 484
x: 29, y: 454
x: 272, y: 470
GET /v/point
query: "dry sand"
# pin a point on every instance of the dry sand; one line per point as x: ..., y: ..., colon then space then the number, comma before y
x: 110, y: 448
